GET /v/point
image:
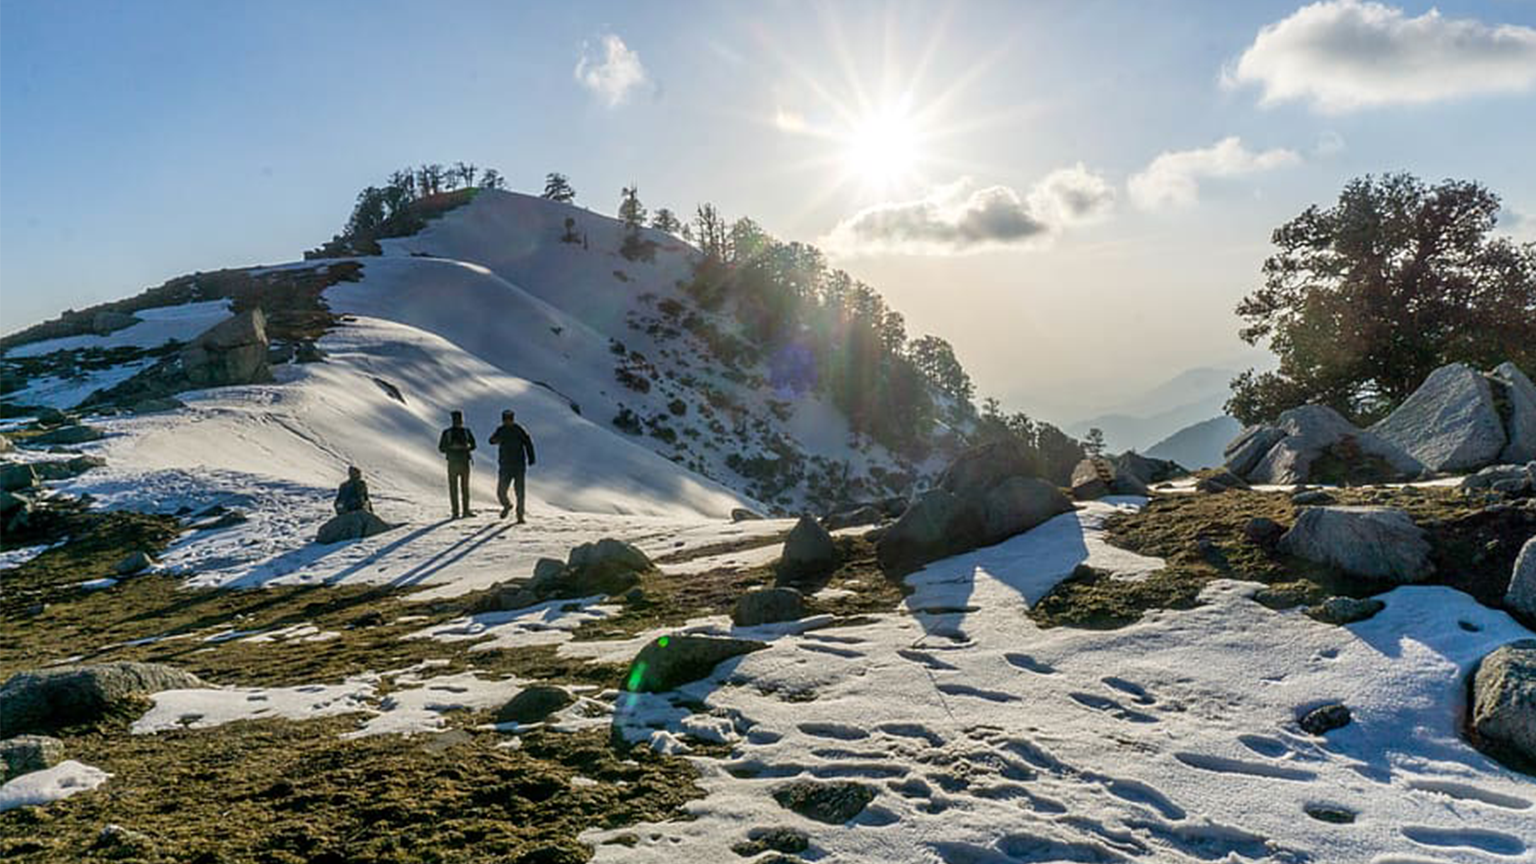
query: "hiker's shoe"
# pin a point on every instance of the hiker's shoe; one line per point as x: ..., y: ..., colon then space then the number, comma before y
x: 521, y: 520
x: 468, y: 513
x: 505, y: 511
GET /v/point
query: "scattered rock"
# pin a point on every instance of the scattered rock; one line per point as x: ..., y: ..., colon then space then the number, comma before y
x: 45, y: 700
x: 1313, y: 443
x: 27, y: 753
x: 1450, y: 423
x: 1519, y: 398
x: 742, y: 514
x: 78, y: 433
x: 1146, y: 469
x: 351, y: 526
x: 609, y: 551
x: 136, y: 562
x: 975, y: 471
x: 1325, y: 719
x: 229, y: 353
x: 768, y: 606
x: 1504, y: 700
x: 1097, y: 477
x: 808, y: 552
x: 503, y: 598
x: 1521, y: 596
x: 790, y: 841
x: 669, y: 662
x: 833, y: 803
x: 115, y: 841
x: 1263, y: 532
x: 546, y: 569
x: 534, y: 704
x: 1311, y: 498
x: 938, y: 524
x: 63, y: 469
x: 1345, y: 610
x: 1329, y: 813
x: 869, y: 514
x: 17, y: 475
x: 1377, y: 542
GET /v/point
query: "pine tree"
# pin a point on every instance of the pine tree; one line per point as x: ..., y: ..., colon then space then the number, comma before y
x: 492, y: 179
x: 557, y: 187
x: 1093, y: 442
x: 665, y: 220
x: 631, y: 211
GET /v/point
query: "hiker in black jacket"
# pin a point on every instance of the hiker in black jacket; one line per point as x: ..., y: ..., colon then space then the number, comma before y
x: 353, y: 494
x: 457, y: 442
x: 514, y: 455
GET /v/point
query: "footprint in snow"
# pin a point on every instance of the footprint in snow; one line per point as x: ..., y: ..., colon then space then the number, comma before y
x: 925, y: 659
x: 1138, y: 694
x: 1468, y: 792
x: 1026, y: 662
x: 1112, y: 708
x: 1264, y: 745
x: 1493, y: 842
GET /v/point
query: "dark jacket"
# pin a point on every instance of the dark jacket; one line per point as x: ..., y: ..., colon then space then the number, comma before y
x: 353, y: 495
x: 457, y: 443
x: 513, y: 444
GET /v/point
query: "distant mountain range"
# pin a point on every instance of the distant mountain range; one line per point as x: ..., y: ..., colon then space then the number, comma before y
x: 1189, y: 398
x: 1198, y: 446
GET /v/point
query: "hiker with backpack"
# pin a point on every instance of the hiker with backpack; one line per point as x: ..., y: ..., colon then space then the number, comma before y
x: 456, y: 443
x: 514, y: 455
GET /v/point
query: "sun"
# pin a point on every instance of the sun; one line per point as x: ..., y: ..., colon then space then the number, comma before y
x: 883, y: 148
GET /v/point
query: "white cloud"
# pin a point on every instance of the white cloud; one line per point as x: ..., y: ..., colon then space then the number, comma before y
x: 789, y: 120
x: 1329, y: 144
x: 1344, y: 55
x: 1517, y: 224
x: 1173, y: 178
x: 1072, y: 196
x: 960, y: 218
x: 951, y: 220
x: 611, y: 70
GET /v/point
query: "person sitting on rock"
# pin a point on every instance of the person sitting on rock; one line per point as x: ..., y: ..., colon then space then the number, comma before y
x: 353, y: 494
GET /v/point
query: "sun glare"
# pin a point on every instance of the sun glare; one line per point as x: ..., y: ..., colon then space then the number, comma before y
x: 882, y: 148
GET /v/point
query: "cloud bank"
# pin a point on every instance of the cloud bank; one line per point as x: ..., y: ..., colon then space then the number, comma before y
x: 610, y: 70
x: 1345, y: 55
x: 961, y: 218
x: 1173, y: 178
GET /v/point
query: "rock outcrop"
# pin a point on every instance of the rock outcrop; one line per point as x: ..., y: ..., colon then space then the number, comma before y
x: 1450, y: 423
x: 669, y: 662
x: 15, y: 476
x: 986, y: 496
x: 1519, y: 412
x: 1504, y: 700
x: 1097, y: 477
x: 45, y: 700
x: 1375, y: 542
x: 27, y: 753
x: 229, y: 353
x: 351, y: 526
x: 1315, y: 444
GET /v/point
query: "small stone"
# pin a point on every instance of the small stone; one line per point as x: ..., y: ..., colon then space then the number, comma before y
x: 27, y: 753
x: 1330, y: 814
x: 778, y: 839
x: 1345, y: 610
x: 832, y: 803
x: 1311, y: 498
x: 742, y: 514
x: 534, y: 704
x: 137, y: 562
x: 1325, y: 719
x: 768, y: 606
x: 1263, y: 532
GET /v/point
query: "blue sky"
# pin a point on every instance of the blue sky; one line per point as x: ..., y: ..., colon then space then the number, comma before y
x: 143, y: 140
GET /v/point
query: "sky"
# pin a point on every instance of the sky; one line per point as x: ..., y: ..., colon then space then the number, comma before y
x: 1074, y: 194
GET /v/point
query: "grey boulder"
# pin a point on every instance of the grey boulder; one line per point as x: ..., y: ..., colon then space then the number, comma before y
x: 768, y: 606
x: 669, y: 662
x: 1019, y: 504
x: 1521, y: 595
x: 136, y: 562
x: 229, y: 353
x: 45, y: 700
x: 1319, y: 445
x: 1245, y: 451
x: 1376, y: 542
x: 27, y: 753
x: 938, y: 524
x: 857, y: 517
x: 1450, y: 423
x: 809, y: 551
x: 78, y: 433
x: 351, y: 526
x: 534, y: 704
x: 609, y: 552
x: 1504, y: 699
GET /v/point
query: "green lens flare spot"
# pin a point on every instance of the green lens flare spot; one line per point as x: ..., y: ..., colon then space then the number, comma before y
x: 636, y: 675
x: 663, y: 641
